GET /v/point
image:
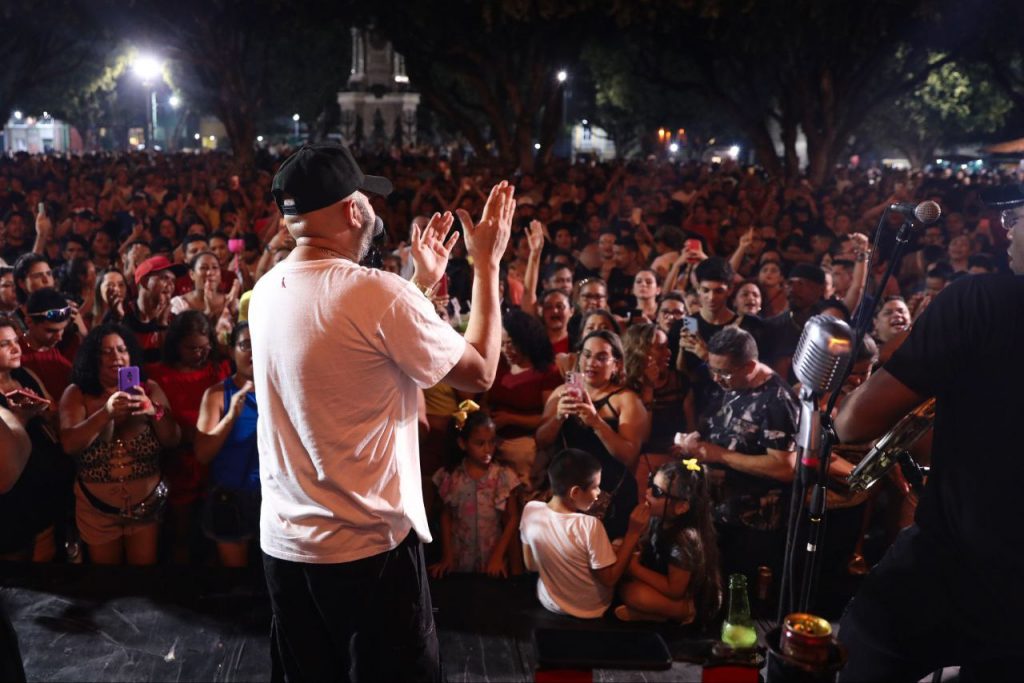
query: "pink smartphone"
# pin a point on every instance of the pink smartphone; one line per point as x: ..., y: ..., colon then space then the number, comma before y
x: 20, y: 395
x: 128, y: 378
x: 236, y: 246
x: 574, y: 381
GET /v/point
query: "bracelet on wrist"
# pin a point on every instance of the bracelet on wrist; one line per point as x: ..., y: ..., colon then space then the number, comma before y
x: 426, y: 291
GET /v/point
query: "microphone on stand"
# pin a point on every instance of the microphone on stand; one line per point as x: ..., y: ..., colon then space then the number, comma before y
x: 822, y: 356
x: 924, y: 213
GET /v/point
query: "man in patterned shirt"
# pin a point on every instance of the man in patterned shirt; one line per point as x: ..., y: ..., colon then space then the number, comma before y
x: 748, y: 439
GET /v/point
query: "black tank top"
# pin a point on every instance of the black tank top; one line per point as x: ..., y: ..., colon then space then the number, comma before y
x: 43, y: 491
x: 615, y: 478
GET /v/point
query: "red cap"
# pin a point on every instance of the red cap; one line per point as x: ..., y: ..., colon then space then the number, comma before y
x: 155, y: 264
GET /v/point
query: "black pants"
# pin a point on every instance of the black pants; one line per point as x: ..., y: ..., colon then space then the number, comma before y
x: 368, y: 620
x: 916, y: 612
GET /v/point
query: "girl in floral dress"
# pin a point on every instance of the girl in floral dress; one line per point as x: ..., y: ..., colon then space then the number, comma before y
x: 480, y: 515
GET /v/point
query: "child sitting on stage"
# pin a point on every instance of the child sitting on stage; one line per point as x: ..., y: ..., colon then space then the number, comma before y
x: 675, y: 575
x: 578, y: 565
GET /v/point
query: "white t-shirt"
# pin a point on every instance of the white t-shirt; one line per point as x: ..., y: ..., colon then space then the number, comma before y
x: 338, y: 352
x: 564, y: 548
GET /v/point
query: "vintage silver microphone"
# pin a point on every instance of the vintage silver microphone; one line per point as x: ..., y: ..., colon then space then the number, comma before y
x: 924, y: 213
x: 822, y: 356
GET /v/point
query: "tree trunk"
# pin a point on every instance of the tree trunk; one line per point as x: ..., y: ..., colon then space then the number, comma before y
x: 241, y: 133
x: 791, y: 160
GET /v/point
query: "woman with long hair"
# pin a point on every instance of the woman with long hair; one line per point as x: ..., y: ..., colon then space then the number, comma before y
x: 189, y: 366
x: 595, y: 411
x: 116, y: 437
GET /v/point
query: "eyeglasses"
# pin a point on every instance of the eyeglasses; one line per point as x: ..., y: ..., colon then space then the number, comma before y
x: 719, y: 373
x: 54, y: 315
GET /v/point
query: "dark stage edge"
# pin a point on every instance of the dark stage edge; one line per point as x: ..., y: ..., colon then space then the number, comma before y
x: 86, y: 623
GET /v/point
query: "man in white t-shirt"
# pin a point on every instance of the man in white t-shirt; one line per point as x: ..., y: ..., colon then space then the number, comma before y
x: 339, y: 354
x: 578, y: 565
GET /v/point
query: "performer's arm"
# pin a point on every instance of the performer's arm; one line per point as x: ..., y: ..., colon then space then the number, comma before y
x: 874, y: 407
x: 485, y: 243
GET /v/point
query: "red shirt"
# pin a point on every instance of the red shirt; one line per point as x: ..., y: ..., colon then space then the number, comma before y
x: 521, y: 393
x: 52, y: 366
x: 186, y: 477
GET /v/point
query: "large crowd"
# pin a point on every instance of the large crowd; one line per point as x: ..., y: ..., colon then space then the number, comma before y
x: 651, y: 311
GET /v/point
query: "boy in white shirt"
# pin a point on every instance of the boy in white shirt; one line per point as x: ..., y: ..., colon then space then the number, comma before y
x: 578, y: 565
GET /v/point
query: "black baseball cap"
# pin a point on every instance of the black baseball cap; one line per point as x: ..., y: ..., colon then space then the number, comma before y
x: 1003, y: 196
x: 318, y: 175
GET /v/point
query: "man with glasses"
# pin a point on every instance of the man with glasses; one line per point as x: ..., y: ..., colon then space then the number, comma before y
x: 947, y: 592
x: 47, y: 317
x: 748, y: 440
x: 591, y: 295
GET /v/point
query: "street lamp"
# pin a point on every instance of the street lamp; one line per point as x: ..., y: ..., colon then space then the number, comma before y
x: 18, y: 115
x: 174, y: 101
x: 563, y: 77
x: 149, y: 70
x: 295, y: 118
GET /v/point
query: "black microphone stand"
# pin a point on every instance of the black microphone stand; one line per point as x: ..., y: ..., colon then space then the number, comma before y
x: 816, y: 517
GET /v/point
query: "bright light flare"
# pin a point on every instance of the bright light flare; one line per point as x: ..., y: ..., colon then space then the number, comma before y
x: 147, y: 67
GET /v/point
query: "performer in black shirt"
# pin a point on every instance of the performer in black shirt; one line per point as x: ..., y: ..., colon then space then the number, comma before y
x: 948, y: 592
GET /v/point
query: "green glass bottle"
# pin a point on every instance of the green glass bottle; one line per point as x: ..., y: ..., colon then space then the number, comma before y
x: 738, y: 630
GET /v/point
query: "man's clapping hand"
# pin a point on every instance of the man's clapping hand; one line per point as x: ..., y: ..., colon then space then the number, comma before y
x: 486, y: 241
x: 430, y: 250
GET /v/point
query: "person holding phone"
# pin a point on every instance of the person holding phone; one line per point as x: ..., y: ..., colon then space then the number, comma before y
x: 33, y: 506
x: 116, y: 438
x: 595, y: 411
x: 714, y: 278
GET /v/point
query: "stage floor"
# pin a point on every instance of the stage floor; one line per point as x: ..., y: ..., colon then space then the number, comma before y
x: 78, y: 623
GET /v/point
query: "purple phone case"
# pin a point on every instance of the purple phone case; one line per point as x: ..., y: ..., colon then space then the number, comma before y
x: 127, y: 378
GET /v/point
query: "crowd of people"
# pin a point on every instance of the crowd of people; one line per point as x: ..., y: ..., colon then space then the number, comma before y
x: 643, y: 416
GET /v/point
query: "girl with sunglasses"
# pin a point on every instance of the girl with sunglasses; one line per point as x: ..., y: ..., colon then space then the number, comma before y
x: 675, y: 575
